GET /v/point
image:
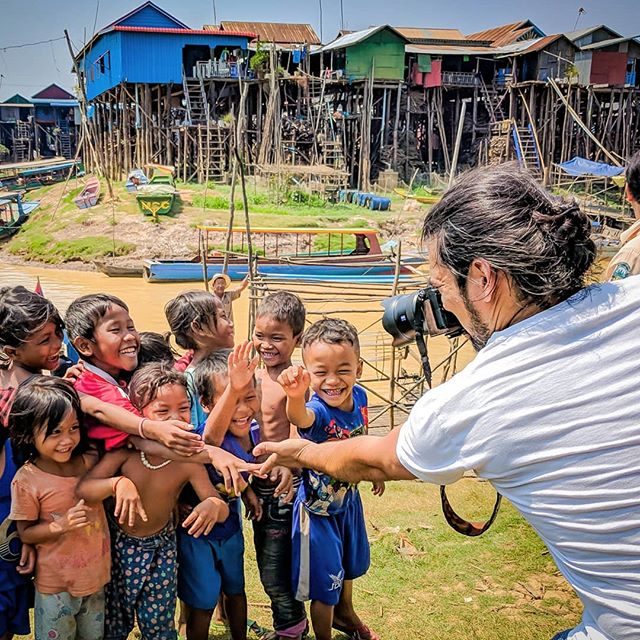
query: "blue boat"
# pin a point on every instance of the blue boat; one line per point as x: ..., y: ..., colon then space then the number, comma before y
x: 12, y: 214
x: 287, y: 253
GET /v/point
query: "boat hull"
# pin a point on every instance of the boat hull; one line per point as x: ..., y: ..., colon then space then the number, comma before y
x: 118, y: 271
x: 154, y: 205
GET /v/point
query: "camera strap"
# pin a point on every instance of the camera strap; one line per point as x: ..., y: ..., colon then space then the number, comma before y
x: 461, y: 525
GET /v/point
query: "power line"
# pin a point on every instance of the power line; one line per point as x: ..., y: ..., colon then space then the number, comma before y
x: 30, y: 44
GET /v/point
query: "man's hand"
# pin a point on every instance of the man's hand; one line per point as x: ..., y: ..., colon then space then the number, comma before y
x: 241, y: 366
x: 287, y: 453
x: 295, y: 381
x: 205, y: 515
x: 230, y: 468
x: 128, y: 502
x: 175, y: 435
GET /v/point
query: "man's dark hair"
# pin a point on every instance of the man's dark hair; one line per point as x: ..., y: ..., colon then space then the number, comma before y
x: 184, y: 310
x: 22, y: 313
x: 632, y: 175
x: 154, y: 347
x: 284, y: 307
x: 331, y: 331
x: 214, y: 364
x: 42, y: 403
x: 541, y: 242
x: 147, y: 381
x: 84, y: 314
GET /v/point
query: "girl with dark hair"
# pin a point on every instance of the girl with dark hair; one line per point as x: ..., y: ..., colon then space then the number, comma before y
x: 198, y: 323
x: 73, y: 561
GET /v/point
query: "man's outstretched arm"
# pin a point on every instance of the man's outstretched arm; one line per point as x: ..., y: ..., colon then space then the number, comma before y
x: 362, y: 458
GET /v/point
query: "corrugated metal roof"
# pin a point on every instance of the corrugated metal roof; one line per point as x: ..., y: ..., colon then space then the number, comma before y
x: 508, y: 33
x: 17, y: 100
x: 358, y: 36
x: 609, y: 43
x: 153, y: 6
x: 581, y: 33
x: 449, y: 50
x: 419, y: 33
x: 199, y: 32
x: 529, y: 46
x: 276, y: 32
x: 53, y: 92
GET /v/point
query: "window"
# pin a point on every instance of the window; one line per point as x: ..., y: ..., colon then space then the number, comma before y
x: 103, y: 63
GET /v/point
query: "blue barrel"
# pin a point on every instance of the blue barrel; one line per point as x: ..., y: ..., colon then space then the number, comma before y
x: 377, y: 203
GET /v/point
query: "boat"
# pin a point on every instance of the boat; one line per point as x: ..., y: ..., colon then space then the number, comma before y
x: 339, y: 253
x: 156, y: 198
x: 89, y: 195
x: 428, y: 198
x: 117, y: 270
x: 12, y: 214
x: 136, y: 179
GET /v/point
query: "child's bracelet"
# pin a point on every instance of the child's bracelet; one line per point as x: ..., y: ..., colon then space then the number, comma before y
x: 140, y: 428
x: 115, y: 484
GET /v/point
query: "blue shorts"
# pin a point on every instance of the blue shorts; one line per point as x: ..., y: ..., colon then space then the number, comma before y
x: 14, y: 609
x: 328, y: 550
x: 206, y: 567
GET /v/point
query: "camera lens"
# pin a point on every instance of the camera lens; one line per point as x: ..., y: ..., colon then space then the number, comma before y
x: 399, y: 317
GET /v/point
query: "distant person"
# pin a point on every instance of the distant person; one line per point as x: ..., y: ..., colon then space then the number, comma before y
x: 362, y: 245
x: 627, y: 261
x: 220, y: 282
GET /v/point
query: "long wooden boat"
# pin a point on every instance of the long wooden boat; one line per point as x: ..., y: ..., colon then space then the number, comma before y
x: 12, y: 214
x: 430, y: 198
x: 118, y: 270
x: 345, y: 253
x: 89, y: 195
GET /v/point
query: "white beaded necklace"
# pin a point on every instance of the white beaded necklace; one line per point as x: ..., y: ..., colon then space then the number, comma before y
x: 153, y: 467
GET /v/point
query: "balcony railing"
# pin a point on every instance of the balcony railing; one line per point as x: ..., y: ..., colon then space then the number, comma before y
x: 459, y: 79
x: 207, y: 69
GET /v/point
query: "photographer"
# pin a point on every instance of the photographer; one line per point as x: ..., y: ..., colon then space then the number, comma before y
x: 548, y: 411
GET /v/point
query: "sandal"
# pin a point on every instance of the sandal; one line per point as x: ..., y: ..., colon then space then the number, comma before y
x: 361, y: 632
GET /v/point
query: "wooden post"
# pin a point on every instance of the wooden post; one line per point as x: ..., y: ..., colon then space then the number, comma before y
x: 396, y: 125
x: 456, y: 149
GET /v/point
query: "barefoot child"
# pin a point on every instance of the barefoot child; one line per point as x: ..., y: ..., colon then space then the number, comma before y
x: 213, y: 564
x: 143, y: 544
x: 220, y: 283
x: 330, y: 546
x: 71, y: 537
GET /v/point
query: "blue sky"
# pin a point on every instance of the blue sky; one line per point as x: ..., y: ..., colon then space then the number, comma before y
x: 28, y: 69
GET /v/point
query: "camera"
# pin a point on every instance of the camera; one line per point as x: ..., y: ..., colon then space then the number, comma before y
x: 408, y: 316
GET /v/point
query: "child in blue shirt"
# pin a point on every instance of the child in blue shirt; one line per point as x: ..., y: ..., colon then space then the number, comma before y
x: 213, y: 563
x: 330, y: 546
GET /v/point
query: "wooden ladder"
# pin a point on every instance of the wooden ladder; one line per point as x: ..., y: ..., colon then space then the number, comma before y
x: 526, y: 149
x: 195, y: 98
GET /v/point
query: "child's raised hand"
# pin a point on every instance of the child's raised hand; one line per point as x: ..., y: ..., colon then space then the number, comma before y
x: 284, y: 490
x: 76, y: 518
x: 295, y: 381
x: 128, y: 502
x: 252, y: 504
x: 377, y: 488
x: 74, y: 372
x: 175, y: 435
x: 241, y: 366
x: 205, y: 515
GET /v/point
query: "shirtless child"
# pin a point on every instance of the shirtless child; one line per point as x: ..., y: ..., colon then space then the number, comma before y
x: 146, y: 490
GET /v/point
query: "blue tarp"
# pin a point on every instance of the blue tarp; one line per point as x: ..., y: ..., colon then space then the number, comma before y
x: 582, y: 167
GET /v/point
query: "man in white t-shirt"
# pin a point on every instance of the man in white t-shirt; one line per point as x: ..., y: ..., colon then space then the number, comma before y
x: 549, y: 411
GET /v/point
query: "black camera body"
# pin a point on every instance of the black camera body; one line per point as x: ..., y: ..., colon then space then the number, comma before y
x: 421, y: 313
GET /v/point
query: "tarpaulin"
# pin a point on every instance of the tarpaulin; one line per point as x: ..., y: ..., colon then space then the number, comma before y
x: 582, y: 167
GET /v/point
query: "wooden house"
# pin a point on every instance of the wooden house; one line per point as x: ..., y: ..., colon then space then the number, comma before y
x: 149, y: 46
x: 16, y: 127
x: 377, y: 51
x: 613, y: 62
x: 56, y: 118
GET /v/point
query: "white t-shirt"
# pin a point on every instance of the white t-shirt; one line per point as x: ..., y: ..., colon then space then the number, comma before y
x: 549, y: 413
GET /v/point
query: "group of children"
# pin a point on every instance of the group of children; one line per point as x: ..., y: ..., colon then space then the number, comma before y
x: 121, y: 483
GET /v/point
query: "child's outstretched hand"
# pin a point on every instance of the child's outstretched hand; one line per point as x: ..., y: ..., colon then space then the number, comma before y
x: 377, y: 488
x: 252, y: 504
x: 284, y: 490
x: 241, y: 366
x: 295, y: 381
x: 231, y: 468
x: 128, y: 502
x: 205, y: 515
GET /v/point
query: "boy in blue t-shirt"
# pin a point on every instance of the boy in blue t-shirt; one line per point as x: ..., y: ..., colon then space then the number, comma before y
x: 213, y: 563
x: 330, y: 546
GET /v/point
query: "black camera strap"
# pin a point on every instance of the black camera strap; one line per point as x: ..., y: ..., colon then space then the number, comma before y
x: 458, y: 524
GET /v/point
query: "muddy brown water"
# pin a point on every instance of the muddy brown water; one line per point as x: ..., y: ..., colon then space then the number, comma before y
x: 146, y: 302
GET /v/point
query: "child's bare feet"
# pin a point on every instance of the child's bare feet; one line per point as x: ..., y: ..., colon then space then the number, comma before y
x: 361, y: 632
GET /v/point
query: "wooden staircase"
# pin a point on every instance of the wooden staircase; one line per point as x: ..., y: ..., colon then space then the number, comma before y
x: 526, y: 149
x: 212, y: 151
x: 64, y: 139
x: 493, y: 100
x: 333, y: 154
x: 196, y: 101
x: 22, y: 141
